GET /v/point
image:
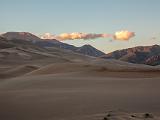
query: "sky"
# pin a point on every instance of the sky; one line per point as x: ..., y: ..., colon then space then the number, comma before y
x: 86, y: 16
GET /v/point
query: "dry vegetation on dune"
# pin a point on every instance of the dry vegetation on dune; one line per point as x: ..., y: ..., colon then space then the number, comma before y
x: 123, y: 115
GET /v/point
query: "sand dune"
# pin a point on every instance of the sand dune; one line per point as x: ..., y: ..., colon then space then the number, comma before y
x: 58, y: 97
x: 17, y: 71
x: 98, y: 68
x: 62, y: 68
x: 80, y: 91
x: 116, y: 65
x: 70, y: 86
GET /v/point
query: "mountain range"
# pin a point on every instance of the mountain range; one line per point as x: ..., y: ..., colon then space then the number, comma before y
x: 149, y: 55
x: 23, y: 41
x: 45, y: 43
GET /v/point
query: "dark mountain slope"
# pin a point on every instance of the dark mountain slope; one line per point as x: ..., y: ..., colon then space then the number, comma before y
x: 45, y: 43
x: 141, y: 55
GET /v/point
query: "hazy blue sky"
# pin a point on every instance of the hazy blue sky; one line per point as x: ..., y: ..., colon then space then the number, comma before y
x: 90, y: 16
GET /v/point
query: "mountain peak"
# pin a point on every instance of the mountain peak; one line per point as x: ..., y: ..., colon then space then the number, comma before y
x: 20, y: 35
x: 87, y: 46
x: 90, y: 50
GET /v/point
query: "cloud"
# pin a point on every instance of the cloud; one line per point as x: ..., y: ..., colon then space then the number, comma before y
x: 121, y: 35
x: 84, y: 36
x: 47, y: 36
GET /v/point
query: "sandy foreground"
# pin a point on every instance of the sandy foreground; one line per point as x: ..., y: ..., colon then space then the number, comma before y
x: 80, y: 92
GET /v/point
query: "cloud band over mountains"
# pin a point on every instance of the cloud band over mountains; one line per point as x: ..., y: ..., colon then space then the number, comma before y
x: 120, y: 35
